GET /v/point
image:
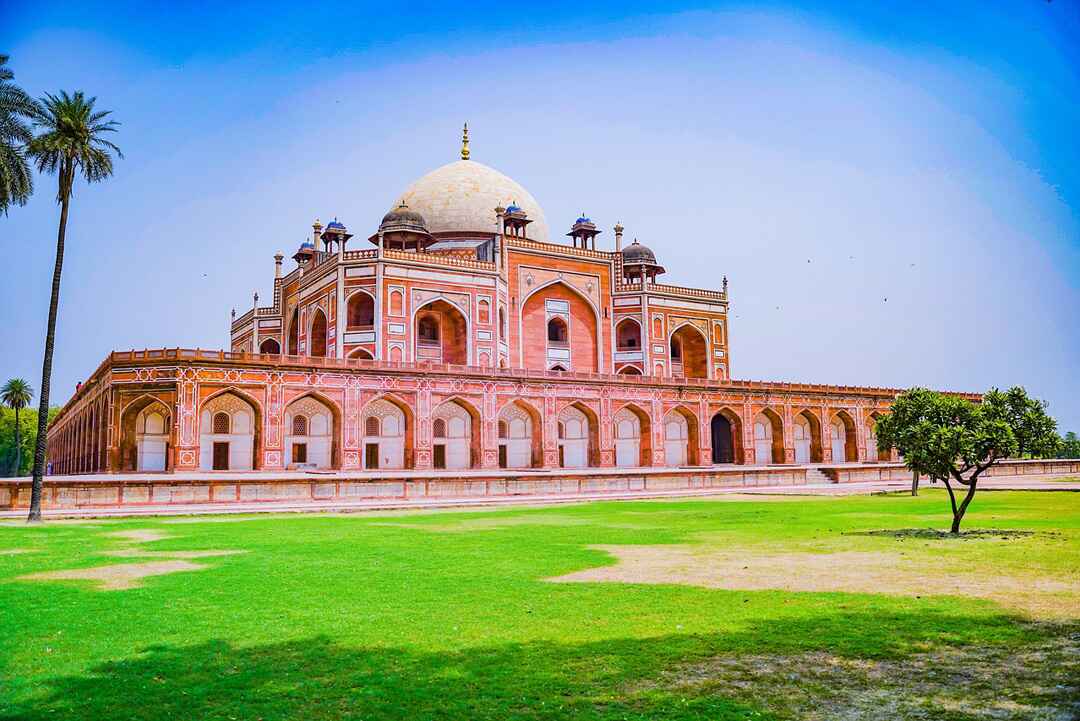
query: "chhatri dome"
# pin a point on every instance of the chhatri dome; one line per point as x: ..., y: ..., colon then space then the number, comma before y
x: 462, y: 197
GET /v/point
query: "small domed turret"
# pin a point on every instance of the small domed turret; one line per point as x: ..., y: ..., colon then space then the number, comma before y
x: 640, y: 262
x: 403, y: 228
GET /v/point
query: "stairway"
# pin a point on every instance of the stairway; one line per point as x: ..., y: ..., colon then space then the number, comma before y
x: 815, y: 476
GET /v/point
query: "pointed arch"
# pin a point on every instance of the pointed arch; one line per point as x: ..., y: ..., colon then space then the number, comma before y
x: 452, y: 342
x: 241, y: 447
x: 518, y: 449
x: 628, y: 335
x: 768, y: 437
x: 596, y: 363
x: 727, y: 436
x: 270, y: 346
x: 360, y: 309
x: 807, y: 436
x: 294, y: 332
x: 689, y: 348
x: 322, y: 442
x: 690, y: 444
x: 139, y: 450
x: 872, y: 453
x: 317, y: 329
x: 633, y: 442
x: 361, y: 354
x: 579, y: 443
x: 461, y: 444
x: 844, y: 437
x: 394, y: 443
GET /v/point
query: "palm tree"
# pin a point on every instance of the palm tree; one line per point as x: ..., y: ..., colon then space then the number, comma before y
x: 71, y: 142
x: 16, y: 183
x: 17, y: 394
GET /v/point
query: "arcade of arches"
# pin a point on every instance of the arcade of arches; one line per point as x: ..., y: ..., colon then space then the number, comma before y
x: 310, y: 432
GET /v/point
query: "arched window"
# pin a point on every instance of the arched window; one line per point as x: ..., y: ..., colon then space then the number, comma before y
x: 221, y: 422
x: 504, y: 430
x: 395, y: 302
x: 484, y: 312
x: 371, y: 426
x: 628, y: 335
x: 317, y: 341
x: 438, y: 428
x: 557, y: 332
x: 299, y: 425
x: 270, y: 346
x: 361, y: 311
x: 428, y: 330
x: 676, y: 349
x: 294, y: 332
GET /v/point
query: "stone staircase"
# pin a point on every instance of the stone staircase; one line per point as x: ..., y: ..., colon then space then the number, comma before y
x: 815, y: 476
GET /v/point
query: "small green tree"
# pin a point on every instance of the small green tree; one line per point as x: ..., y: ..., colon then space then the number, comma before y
x: 952, y: 440
x: 1070, y: 446
x: 1035, y: 431
x: 16, y: 395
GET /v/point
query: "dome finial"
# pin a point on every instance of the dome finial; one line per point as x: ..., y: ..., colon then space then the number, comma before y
x: 465, y: 142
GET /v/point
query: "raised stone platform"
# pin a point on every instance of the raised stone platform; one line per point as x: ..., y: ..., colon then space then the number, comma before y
x: 209, y: 489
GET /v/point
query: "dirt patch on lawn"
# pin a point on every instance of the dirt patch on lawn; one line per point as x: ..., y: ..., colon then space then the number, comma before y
x: 141, y: 535
x: 846, y: 571
x: 1036, y: 682
x: 117, y: 577
x: 491, y: 524
x: 137, y: 553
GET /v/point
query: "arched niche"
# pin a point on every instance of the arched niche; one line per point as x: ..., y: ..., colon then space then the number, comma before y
x: 145, y: 426
x: 519, y: 435
x: 578, y: 436
x: 843, y: 438
x: 541, y: 346
x: 441, y: 333
x: 628, y: 335
x: 768, y: 438
x: 312, y: 427
x: 317, y: 334
x: 689, y: 353
x: 270, y: 346
x: 806, y: 433
x: 681, y: 437
x: 360, y: 311
x: 229, y: 433
x: 387, y: 434
x: 633, y: 437
x: 455, y: 435
x: 726, y: 434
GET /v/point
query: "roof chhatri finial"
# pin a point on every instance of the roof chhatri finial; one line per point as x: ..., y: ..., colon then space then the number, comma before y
x: 465, y: 142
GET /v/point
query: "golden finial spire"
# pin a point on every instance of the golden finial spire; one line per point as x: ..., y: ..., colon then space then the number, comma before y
x: 465, y: 142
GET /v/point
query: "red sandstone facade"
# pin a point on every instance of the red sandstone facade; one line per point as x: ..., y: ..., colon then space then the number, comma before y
x: 460, y: 338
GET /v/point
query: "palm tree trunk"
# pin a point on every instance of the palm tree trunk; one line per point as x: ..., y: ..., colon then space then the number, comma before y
x: 18, y: 444
x: 50, y: 337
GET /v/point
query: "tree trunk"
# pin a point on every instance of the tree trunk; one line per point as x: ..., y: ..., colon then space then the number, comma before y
x: 50, y: 338
x: 958, y: 513
x: 914, y: 483
x: 18, y: 445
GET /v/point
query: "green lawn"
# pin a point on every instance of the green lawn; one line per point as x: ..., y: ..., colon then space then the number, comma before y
x: 454, y: 616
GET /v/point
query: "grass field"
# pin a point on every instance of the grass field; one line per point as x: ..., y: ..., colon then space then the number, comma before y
x: 842, y: 608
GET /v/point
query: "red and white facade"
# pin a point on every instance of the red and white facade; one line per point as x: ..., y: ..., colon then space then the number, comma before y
x: 458, y: 335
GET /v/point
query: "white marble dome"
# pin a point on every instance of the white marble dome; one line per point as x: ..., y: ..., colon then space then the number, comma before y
x: 461, y: 196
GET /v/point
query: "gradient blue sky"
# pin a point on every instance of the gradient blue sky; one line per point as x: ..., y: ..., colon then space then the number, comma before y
x: 892, y: 188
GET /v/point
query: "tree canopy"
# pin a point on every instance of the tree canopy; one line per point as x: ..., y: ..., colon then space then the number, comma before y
x: 953, y: 440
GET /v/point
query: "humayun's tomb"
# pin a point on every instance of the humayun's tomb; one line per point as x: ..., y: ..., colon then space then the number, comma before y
x: 462, y: 338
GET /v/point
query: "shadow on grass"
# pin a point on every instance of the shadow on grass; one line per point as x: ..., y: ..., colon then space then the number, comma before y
x: 937, y: 534
x: 316, y: 678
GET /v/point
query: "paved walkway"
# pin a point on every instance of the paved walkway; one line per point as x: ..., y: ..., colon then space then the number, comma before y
x: 1001, y: 483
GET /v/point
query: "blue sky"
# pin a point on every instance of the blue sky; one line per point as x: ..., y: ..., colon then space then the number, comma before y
x: 892, y: 188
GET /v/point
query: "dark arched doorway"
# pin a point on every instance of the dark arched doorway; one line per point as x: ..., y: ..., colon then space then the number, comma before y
x: 723, y: 450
